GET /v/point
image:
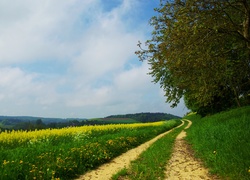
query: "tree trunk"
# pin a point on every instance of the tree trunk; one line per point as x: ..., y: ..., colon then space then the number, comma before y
x: 246, y: 23
x: 236, y: 97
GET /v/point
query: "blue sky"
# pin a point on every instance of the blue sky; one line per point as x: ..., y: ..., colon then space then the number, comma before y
x: 76, y: 58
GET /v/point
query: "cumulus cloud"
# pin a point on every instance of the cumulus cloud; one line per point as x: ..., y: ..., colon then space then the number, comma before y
x: 38, y: 29
x: 75, y: 58
x: 107, y: 44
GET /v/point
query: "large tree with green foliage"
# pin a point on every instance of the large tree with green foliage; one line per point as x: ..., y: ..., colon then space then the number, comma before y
x: 201, y: 50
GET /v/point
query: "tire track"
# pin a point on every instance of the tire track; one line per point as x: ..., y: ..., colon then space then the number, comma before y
x: 183, y: 165
x: 105, y: 171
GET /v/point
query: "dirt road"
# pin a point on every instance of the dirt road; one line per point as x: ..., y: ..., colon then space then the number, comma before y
x: 183, y: 165
x: 106, y: 171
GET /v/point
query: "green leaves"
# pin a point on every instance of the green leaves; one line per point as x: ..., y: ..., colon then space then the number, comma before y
x: 197, y: 49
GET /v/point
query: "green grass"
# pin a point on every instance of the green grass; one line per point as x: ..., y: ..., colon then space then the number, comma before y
x: 151, y: 163
x: 66, y: 156
x: 222, y: 141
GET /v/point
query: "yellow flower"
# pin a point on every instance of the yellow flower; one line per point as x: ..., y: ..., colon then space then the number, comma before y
x: 21, y: 162
x: 5, y: 162
x: 110, y: 142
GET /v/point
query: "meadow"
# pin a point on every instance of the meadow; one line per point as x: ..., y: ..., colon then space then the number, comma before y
x: 114, y: 120
x: 69, y: 152
x: 222, y: 141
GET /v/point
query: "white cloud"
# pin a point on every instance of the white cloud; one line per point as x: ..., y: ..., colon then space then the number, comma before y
x: 92, y: 43
x: 38, y: 29
x: 134, y: 79
x: 18, y: 88
x: 14, y: 80
x: 104, y: 53
x: 107, y: 44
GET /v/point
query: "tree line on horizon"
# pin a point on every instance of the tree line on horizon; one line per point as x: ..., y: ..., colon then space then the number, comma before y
x: 147, y: 116
x: 16, y: 123
x: 200, y: 51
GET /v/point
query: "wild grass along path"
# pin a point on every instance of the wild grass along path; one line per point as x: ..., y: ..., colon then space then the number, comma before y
x: 182, y: 164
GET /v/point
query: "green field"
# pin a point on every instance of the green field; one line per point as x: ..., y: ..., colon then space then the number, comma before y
x: 69, y: 152
x: 222, y: 141
x: 114, y: 120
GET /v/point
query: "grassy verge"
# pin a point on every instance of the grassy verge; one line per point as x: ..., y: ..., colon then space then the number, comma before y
x: 222, y: 141
x: 152, y: 162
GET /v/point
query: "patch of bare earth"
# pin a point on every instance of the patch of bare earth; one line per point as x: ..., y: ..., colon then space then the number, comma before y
x: 106, y: 171
x: 183, y: 165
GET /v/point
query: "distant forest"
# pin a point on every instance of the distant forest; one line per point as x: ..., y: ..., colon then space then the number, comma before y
x: 147, y: 117
x: 32, y: 123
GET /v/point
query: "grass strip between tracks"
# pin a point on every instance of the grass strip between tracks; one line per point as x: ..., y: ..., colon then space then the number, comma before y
x: 151, y: 163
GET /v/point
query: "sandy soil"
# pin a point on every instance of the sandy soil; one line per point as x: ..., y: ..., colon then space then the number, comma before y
x: 183, y: 165
x: 106, y: 171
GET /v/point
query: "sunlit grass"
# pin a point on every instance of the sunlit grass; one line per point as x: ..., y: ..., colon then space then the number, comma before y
x: 222, y: 141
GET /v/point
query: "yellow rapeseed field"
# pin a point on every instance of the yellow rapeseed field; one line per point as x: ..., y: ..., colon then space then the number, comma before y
x: 64, y: 153
x: 20, y: 136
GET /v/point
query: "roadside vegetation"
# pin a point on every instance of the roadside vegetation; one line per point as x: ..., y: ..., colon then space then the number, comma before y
x: 199, y: 51
x: 222, y: 141
x: 151, y: 163
x: 69, y: 152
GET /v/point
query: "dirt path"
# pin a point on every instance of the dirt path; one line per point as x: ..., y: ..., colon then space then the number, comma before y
x: 106, y: 171
x: 183, y: 165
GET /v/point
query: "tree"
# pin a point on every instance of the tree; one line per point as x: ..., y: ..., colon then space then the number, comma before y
x: 200, y: 49
x: 39, y: 124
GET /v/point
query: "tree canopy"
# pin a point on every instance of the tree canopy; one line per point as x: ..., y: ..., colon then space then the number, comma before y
x: 200, y: 50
